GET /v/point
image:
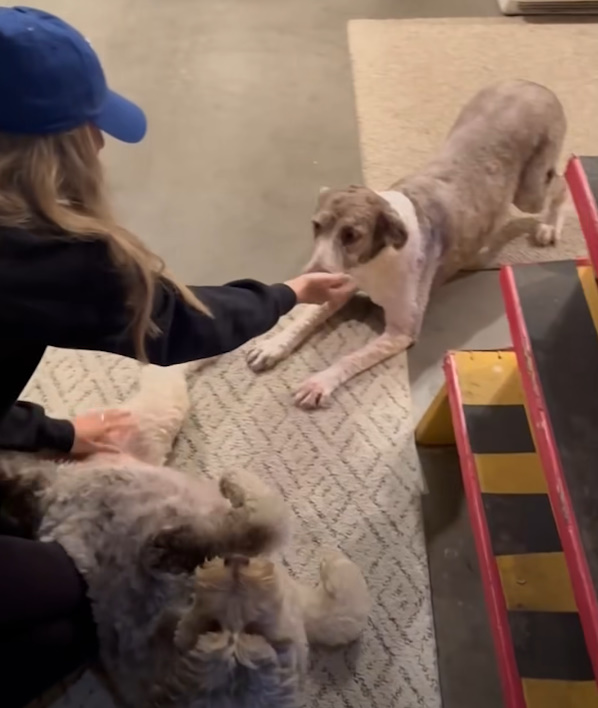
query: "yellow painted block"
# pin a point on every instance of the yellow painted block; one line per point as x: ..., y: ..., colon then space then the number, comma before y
x: 537, y: 582
x: 511, y: 473
x: 545, y: 693
x: 436, y: 425
x: 590, y: 290
x: 489, y: 378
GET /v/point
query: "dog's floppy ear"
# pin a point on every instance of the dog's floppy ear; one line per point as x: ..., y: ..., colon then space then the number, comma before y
x: 258, y: 521
x: 323, y: 196
x: 181, y: 548
x: 252, y: 537
x: 177, y: 549
x: 389, y: 230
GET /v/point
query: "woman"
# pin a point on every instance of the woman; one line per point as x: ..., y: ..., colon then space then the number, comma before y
x: 71, y: 276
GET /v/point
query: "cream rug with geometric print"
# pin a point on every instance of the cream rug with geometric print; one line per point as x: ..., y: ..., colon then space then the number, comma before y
x: 412, y: 77
x: 348, y: 473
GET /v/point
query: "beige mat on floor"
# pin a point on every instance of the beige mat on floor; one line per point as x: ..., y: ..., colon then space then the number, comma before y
x: 412, y: 76
x: 349, y: 475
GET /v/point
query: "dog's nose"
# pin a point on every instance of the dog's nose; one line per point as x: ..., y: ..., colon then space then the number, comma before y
x: 236, y: 561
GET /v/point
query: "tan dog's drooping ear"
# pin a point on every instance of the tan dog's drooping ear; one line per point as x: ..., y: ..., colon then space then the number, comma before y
x: 389, y: 230
x: 323, y: 195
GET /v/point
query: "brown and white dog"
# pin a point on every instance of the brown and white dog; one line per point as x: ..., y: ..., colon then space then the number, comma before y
x: 498, y: 162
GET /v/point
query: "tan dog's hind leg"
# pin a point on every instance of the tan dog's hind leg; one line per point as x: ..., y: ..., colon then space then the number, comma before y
x: 266, y: 352
x: 541, y: 191
x: 315, y: 391
x: 544, y: 228
x: 552, y: 218
x: 336, y: 611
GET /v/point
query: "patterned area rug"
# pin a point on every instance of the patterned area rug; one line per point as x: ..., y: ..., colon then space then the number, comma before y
x: 350, y: 477
x: 412, y: 77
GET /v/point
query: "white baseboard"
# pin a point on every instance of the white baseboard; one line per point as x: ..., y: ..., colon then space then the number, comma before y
x: 549, y: 7
x: 509, y: 7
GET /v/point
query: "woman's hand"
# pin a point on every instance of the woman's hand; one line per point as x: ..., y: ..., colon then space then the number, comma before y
x: 320, y: 288
x: 95, y: 432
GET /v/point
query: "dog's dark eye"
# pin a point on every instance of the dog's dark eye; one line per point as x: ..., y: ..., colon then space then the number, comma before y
x: 348, y: 236
x: 317, y: 227
x: 212, y: 627
x: 252, y: 628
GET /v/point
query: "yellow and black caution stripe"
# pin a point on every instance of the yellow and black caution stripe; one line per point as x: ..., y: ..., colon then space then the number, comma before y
x: 541, y: 648
x: 555, y: 329
x: 553, y: 316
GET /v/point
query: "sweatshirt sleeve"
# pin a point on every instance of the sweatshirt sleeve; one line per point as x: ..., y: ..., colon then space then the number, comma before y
x: 239, y: 312
x: 67, y: 293
x: 26, y: 427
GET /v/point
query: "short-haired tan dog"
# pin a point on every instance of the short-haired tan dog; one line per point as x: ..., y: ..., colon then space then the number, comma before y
x: 398, y: 245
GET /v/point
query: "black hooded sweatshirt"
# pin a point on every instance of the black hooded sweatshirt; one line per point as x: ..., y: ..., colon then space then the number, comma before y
x: 64, y: 292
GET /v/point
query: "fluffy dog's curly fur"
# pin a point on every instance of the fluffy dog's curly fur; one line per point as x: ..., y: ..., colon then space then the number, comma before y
x: 190, y: 611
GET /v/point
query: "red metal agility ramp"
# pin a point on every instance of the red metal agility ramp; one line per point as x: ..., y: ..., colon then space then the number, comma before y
x: 525, y: 423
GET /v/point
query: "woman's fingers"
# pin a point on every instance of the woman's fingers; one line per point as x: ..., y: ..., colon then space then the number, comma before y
x: 116, y: 420
x: 95, y: 431
x: 104, y: 447
x: 318, y: 288
x: 341, y: 288
x: 114, y: 416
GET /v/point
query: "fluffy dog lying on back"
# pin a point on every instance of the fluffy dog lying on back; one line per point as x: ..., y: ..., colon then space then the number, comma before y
x: 190, y: 613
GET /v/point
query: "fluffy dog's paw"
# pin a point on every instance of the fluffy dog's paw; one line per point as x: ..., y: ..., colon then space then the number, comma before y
x: 545, y: 235
x: 259, y: 517
x: 232, y: 490
x: 340, y: 576
x: 265, y: 354
x: 343, y: 602
x: 314, y: 392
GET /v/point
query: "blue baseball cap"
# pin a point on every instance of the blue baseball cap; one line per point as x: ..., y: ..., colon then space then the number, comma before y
x: 51, y: 80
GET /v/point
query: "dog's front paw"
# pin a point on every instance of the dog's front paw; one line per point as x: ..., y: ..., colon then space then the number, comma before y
x: 314, y: 392
x: 545, y: 235
x: 259, y: 519
x: 265, y: 354
x: 232, y: 490
x: 342, y: 603
x: 338, y: 574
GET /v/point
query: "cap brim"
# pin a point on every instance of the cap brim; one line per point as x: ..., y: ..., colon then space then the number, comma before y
x: 121, y: 119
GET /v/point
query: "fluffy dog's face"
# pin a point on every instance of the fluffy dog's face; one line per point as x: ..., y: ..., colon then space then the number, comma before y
x: 351, y: 226
x: 242, y: 640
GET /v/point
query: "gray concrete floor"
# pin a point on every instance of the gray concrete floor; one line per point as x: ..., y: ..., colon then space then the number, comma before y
x: 465, y: 314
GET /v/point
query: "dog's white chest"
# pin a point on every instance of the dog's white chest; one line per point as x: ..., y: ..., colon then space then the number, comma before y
x: 390, y: 279
x: 381, y: 278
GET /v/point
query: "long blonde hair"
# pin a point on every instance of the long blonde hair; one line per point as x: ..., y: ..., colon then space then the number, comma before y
x: 57, y: 181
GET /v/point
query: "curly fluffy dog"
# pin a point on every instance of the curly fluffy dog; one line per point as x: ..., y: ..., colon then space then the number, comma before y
x: 190, y: 612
